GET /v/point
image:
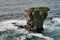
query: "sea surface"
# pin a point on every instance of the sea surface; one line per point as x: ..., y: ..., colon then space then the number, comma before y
x: 13, y: 10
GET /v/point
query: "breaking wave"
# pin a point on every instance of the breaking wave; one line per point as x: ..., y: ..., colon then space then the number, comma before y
x: 10, y: 32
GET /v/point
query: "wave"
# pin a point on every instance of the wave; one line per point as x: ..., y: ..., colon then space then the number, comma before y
x: 56, y: 21
x: 8, y: 24
x: 14, y: 34
x: 22, y: 34
x: 41, y: 36
x: 10, y: 32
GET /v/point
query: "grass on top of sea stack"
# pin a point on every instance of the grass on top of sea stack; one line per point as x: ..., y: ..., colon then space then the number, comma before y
x: 37, y: 8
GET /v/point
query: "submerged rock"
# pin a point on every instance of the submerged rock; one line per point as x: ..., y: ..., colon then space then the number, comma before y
x: 19, y: 25
x: 35, y: 17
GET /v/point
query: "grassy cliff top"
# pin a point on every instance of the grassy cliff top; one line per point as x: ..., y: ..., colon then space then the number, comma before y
x: 38, y: 8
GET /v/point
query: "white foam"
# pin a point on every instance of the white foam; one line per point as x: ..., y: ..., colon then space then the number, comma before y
x: 8, y: 24
x: 41, y: 36
x: 56, y: 21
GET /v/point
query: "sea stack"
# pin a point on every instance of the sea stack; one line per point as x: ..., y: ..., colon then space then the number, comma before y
x: 35, y: 17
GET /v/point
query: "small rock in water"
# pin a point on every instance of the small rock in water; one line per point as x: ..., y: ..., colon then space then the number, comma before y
x: 14, y: 23
x: 19, y: 25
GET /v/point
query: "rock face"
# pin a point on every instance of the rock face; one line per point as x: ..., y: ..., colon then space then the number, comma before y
x: 35, y: 17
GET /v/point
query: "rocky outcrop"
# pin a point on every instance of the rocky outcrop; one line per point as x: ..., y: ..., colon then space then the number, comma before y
x: 35, y: 17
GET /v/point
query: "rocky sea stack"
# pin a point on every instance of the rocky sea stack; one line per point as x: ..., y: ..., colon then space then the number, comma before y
x: 35, y: 17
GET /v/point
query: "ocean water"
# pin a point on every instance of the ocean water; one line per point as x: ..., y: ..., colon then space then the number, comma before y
x: 13, y: 10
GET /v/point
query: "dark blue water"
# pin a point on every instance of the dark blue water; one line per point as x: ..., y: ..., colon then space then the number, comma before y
x: 14, y: 10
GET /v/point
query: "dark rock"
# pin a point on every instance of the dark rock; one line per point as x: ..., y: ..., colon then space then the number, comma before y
x: 18, y: 25
x: 14, y: 23
x: 35, y: 18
